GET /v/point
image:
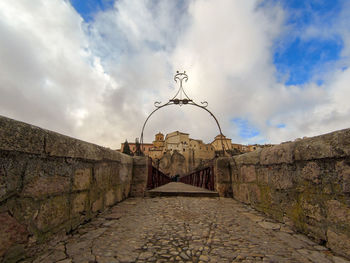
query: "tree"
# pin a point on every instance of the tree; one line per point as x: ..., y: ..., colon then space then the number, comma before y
x: 138, y: 151
x: 126, y: 148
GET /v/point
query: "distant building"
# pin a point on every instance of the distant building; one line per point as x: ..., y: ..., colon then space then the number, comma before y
x: 195, y: 151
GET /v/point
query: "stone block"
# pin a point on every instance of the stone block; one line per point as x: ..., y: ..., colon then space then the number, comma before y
x: 53, y: 213
x: 103, y: 172
x: 64, y: 146
x: 21, y: 137
x: 248, y: 158
x: 277, y: 177
x: 97, y: 205
x: 12, y: 167
x: 222, y: 170
x: 339, y: 243
x: 44, y: 186
x: 247, y: 193
x: 224, y: 190
x: 343, y: 170
x: 282, y: 178
x: 110, y: 198
x: 125, y: 173
x: 338, y: 213
x: 140, y: 161
x: 119, y: 193
x: 311, y: 172
x: 126, y: 191
x: 262, y: 174
x: 335, y: 144
x: 82, y: 179
x: 79, y: 203
x: 282, y: 153
x: 139, y: 176
x: 312, y: 210
x: 12, y: 233
x: 248, y: 173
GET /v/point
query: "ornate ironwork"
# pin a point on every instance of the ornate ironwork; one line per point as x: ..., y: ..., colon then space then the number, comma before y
x: 181, y: 98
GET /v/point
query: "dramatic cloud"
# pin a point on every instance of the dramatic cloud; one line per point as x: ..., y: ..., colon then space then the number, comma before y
x: 97, y: 79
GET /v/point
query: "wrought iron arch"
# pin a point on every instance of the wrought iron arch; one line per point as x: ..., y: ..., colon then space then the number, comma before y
x: 180, y: 99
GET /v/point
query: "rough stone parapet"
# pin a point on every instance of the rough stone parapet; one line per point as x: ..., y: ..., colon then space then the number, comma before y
x: 51, y: 183
x: 305, y: 183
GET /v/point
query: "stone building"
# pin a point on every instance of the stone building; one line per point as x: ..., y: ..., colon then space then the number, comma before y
x: 194, y: 152
x: 157, y: 149
x: 220, y: 140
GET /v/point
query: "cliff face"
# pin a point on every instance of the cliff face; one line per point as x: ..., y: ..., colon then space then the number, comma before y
x: 173, y: 164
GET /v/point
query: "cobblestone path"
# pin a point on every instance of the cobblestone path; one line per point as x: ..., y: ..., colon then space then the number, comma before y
x: 185, y: 229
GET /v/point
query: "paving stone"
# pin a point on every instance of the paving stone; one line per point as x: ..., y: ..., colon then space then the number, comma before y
x: 185, y: 229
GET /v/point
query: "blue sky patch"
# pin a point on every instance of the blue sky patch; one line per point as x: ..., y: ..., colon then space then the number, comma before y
x: 297, y: 58
x: 87, y: 8
x: 246, y: 130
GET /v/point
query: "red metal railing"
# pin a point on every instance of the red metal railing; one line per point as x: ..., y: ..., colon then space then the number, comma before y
x: 202, y: 178
x: 155, y: 177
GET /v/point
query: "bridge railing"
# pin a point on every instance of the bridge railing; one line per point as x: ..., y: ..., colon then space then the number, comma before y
x: 155, y: 177
x: 201, y: 178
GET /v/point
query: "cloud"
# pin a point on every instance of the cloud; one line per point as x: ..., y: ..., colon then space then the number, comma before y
x: 97, y: 80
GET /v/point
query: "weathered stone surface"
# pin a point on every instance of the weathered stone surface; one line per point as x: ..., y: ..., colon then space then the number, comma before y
x: 97, y: 205
x: 139, y: 176
x: 64, y: 146
x: 340, y: 243
x: 80, y: 203
x: 46, y: 180
x: 125, y: 173
x: 269, y: 225
x: 335, y: 144
x: 343, y: 170
x: 53, y: 213
x: 311, y: 172
x: 11, y: 171
x: 21, y: 137
x: 223, y: 184
x: 337, y: 212
x: 82, y: 179
x: 283, y: 153
x: 248, y: 158
x: 280, y: 177
x: 43, y: 186
x: 313, y: 210
x: 247, y: 193
x: 180, y: 229
x: 110, y: 198
x: 248, y: 173
x: 103, y: 173
x: 11, y: 233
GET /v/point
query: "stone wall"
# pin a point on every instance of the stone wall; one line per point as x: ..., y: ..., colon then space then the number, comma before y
x: 52, y: 183
x: 305, y: 184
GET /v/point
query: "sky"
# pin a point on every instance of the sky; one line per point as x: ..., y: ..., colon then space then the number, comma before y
x: 270, y: 70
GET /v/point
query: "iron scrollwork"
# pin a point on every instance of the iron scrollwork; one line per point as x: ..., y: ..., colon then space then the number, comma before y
x: 181, y: 98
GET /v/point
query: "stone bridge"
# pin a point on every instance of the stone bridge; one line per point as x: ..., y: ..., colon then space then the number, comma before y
x: 65, y: 200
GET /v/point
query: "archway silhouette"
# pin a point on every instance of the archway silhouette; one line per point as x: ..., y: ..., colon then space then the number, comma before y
x: 180, y: 99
